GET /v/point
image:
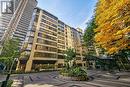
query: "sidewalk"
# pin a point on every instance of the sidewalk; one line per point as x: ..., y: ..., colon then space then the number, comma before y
x: 125, y: 79
x: 106, y: 75
x: 37, y: 85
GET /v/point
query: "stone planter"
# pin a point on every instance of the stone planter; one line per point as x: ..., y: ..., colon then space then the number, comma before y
x: 80, y: 78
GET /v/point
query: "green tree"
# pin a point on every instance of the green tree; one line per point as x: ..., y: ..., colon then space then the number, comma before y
x: 89, y: 37
x: 122, y: 59
x: 70, y: 57
x: 9, y: 52
x: 89, y: 33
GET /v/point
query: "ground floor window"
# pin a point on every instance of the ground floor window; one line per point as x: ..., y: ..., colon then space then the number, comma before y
x: 60, y: 65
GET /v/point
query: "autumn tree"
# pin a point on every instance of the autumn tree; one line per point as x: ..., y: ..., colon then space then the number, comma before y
x: 113, y: 20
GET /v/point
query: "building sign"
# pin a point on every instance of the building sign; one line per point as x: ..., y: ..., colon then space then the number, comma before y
x: 7, y: 6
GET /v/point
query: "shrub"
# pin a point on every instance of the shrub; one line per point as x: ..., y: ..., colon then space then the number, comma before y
x: 74, y: 72
x: 9, y: 83
x: 64, y: 72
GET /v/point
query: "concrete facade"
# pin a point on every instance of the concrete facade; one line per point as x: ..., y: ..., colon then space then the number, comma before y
x: 46, y: 42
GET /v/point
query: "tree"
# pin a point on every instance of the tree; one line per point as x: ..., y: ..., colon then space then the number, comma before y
x: 89, y: 38
x: 113, y: 20
x: 9, y: 52
x: 70, y: 57
x: 89, y: 33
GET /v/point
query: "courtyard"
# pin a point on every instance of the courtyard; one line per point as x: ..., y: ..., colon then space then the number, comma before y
x: 50, y: 79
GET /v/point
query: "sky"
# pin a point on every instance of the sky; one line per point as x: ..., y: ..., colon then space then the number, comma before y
x: 75, y: 13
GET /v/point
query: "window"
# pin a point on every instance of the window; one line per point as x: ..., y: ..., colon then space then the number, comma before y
x: 47, y: 36
x: 61, y: 51
x: 61, y: 57
x: 45, y: 55
x: 46, y: 42
x: 61, y: 42
x: 45, y: 48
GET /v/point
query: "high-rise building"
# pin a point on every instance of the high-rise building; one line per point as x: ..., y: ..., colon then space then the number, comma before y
x: 5, y: 17
x: 15, y: 25
x: 46, y: 42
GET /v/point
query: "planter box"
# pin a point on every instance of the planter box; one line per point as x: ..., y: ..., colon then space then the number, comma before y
x: 72, y: 78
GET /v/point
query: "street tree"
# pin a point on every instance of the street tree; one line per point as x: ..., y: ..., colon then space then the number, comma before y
x: 9, y: 52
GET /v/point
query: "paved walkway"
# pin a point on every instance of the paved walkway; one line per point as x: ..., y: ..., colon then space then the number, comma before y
x: 50, y: 80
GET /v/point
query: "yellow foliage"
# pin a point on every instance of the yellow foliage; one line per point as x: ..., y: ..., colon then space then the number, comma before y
x: 113, y: 20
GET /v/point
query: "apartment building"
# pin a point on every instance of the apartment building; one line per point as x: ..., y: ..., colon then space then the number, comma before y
x: 74, y: 39
x: 46, y: 42
x: 15, y: 24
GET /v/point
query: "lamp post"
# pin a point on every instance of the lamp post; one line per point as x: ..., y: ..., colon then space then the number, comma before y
x: 4, y: 83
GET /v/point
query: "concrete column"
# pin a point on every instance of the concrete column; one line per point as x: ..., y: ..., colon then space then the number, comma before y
x: 94, y: 65
x: 18, y: 65
x: 56, y: 65
x: 28, y: 66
